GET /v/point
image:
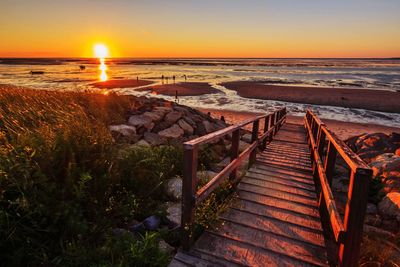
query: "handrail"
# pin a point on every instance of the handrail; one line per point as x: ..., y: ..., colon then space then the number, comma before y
x: 191, y: 197
x: 348, y: 234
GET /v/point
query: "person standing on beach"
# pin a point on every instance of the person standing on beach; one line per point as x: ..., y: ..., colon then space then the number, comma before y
x: 173, y: 78
x: 184, y: 75
x: 162, y: 79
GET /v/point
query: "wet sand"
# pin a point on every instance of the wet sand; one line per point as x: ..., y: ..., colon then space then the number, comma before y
x: 121, y: 83
x: 184, y: 89
x: 343, y: 130
x: 378, y: 100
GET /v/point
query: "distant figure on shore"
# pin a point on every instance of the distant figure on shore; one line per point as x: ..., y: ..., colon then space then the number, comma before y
x: 222, y: 118
x: 162, y: 79
x: 209, y: 114
x: 176, y: 96
x: 173, y: 78
x: 137, y: 79
x: 82, y: 67
x: 184, y: 75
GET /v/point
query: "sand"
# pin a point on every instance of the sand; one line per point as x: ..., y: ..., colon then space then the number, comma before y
x: 344, y: 130
x: 378, y: 100
x: 121, y: 83
x: 184, y: 89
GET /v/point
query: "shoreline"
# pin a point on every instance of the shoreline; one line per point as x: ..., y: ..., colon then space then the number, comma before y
x: 121, y: 83
x: 342, y: 129
x: 181, y: 88
x: 388, y: 101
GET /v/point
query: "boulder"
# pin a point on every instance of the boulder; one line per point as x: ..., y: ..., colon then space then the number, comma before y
x: 246, y: 138
x: 242, y: 146
x: 154, y: 139
x: 369, y: 146
x: 173, y: 132
x: 205, y: 176
x: 140, y: 120
x: 186, y: 127
x: 154, y: 116
x: 386, y: 167
x: 174, y: 213
x: 163, y: 110
x: 162, y: 125
x: 372, y: 208
x: 397, y: 152
x: 165, y: 247
x: 209, y: 127
x: 123, y: 129
x: 142, y: 143
x: 200, y: 130
x: 389, y: 206
x: 172, y: 117
x: 190, y: 121
x: 173, y: 188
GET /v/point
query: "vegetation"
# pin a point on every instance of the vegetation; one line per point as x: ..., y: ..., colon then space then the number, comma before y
x: 64, y: 184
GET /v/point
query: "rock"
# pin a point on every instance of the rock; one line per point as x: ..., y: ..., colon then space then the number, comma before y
x: 190, y: 121
x: 174, y: 188
x: 397, y: 152
x: 372, y: 208
x: 125, y: 130
x: 378, y: 232
x: 186, y: 127
x: 242, y: 146
x: 162, y: 125
x: 154, y: 116
x: 173, y: 117
x: 174, y: 211
x: 165, y: 247
x: 152, y: 223
x: 140, y: 120
x: 389, y: 206
x: 200, y: 130
x: 163, y: 110
x: 373, y: 219
x: 246, y: 138
x: 209, y: 127
x: 173, y: 132
x: 154, y: 139
x: 369, y: 146
x: 142, y: 143
x: 386, y: 167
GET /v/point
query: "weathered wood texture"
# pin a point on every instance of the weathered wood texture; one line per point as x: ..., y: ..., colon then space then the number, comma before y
x: 275, y: 219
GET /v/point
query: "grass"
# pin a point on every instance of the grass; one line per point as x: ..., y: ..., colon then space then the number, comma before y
x: 64, y: 184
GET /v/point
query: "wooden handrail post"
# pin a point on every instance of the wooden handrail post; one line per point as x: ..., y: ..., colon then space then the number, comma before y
x: 349, y: 250
x: 189, y: 183
x: 266, y: 128
x: 234, y: 151
x: 254, y: 138
x: 272, y: 124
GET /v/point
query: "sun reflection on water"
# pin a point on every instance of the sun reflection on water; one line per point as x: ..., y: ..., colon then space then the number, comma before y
x: 103, y: 68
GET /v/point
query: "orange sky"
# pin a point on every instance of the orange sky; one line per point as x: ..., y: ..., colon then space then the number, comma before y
x: 303, y: 28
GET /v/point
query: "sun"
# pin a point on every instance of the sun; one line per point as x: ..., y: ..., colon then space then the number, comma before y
x: 100, y: 51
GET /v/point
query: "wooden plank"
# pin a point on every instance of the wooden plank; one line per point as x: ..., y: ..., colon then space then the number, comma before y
x: 289, y: 216
x: 245, y: 254
x: 275, y: 226
x: 285, y: 181
x: 285, y: 246
x: 279, y: 203
x: 274, y: 171
x: 265, y: 191
x: 279, y: 187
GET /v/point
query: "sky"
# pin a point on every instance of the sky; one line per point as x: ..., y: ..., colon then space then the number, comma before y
x: 190, y: 28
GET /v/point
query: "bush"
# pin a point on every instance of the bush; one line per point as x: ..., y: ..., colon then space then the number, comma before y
x: 64, y: 184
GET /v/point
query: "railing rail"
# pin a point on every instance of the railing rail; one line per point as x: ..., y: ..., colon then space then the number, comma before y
x: 191, y: 198
x: 347, y: 233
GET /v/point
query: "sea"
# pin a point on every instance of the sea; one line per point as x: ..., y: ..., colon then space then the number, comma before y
x: 76, y: 74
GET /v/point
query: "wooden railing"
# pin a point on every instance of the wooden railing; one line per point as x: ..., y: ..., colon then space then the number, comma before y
x: 192, y: 198
x: 347, y: 233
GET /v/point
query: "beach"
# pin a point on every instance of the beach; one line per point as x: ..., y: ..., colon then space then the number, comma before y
x: 182, y: 89
x: 121, y: 83
x: 378, y: 100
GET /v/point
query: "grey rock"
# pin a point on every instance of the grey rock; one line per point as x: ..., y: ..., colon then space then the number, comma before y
x: 154, y: 139
x: 174, y: 211
x: 208, y: 126
x: 242, y: 146
x: 173, y: 117
x: 142, y: 143
x: 165, y: 247
x: 125, y: 130
x: 152, y: 223
x: 205, y: 176
x: 186, y: 127
x: 140, y: 120
x: 247, y: 138
x: 389, y: 206
x: 154, y: 116
x: 174, y: 188
x: 372, y: 208
x: 173, y: 132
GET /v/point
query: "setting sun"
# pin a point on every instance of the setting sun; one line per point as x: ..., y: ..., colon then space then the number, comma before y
x: 100, y: 51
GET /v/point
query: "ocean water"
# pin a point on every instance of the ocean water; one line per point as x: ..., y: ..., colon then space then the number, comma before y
x: 377, y: 74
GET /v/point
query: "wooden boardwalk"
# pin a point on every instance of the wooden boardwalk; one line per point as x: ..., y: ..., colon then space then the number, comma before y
x: 275, y: 219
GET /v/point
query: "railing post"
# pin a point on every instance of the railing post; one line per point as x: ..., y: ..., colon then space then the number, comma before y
x: 266, y: 128
x: 271, y: 125
x: 188, y: 194
x: 254, y: 138
x: 330, y: 161
x: 234, y: 151
x: 349, y: 250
